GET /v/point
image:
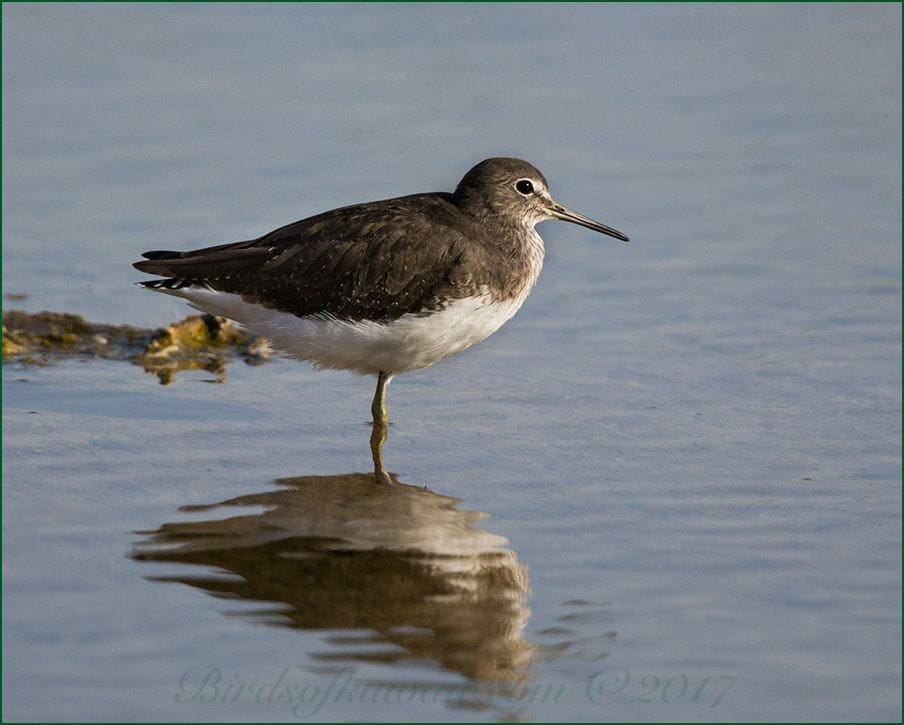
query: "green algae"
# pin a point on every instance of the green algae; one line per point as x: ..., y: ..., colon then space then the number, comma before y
x: 197, y: 342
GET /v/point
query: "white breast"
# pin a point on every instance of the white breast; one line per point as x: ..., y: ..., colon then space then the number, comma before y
x: 410, y: 342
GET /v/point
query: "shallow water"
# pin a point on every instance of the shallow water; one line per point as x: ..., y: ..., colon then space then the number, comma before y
x: 668, y: 489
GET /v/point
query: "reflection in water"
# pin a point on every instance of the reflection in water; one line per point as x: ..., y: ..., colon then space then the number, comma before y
x: 342, y: 553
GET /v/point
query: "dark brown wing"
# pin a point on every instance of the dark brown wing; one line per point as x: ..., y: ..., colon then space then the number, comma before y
x: 369, y: 261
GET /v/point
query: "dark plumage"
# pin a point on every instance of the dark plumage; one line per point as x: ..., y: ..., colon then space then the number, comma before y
x: 376, y: 261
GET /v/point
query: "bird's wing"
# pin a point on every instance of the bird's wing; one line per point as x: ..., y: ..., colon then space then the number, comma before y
x: 370, y: 261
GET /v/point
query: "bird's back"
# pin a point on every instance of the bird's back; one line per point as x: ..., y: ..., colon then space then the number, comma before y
x: 374, y: 261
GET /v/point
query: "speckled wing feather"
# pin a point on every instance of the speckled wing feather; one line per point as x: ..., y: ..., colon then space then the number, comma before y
x: 378, y: 260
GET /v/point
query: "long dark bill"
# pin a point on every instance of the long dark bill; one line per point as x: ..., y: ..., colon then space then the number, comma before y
x: 567, y: 215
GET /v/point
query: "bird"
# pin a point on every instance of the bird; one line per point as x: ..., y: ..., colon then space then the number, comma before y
x: 384, y: 287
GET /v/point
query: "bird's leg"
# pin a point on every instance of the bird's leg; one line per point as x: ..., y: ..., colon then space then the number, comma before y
x: 380, y: 431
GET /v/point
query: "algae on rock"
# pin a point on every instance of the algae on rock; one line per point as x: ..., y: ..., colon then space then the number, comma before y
x: 198, y: 342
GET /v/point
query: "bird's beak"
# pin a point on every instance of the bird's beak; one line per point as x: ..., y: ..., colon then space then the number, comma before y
x: 567, y: 215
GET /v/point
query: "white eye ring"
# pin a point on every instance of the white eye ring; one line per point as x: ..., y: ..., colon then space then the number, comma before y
x: 525, y: 187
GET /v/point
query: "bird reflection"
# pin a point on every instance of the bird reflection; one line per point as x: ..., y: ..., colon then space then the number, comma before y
x: 337, y: 552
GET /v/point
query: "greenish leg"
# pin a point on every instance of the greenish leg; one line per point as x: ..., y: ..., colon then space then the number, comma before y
x: 380, y: 431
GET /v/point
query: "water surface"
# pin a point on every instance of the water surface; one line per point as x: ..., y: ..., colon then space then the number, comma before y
x: 669, y: 489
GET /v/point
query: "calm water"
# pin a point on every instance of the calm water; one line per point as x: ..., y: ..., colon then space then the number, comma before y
x: 669, y: 489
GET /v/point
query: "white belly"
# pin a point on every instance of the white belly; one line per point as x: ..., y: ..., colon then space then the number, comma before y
x: 411, y: 342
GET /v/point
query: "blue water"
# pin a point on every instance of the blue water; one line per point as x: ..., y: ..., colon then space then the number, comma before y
x: 669, y: 489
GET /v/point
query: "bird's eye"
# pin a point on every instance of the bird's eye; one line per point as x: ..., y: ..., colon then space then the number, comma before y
x: 524, y: 186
